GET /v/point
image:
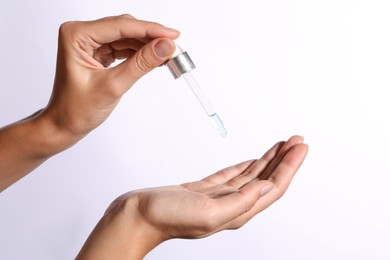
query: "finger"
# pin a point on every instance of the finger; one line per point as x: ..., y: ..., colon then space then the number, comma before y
x: 223, y: 176
x: 150, y: 56
x: 296, y: 139
x: 125, y: 26
x: 104, y: 49
x: 124, y: 44
x: 256, y: 167
x: 104, y: 55
x: 285, y: 171
x: 105, y: 59
x: 122, y: 49
x: 107, y: 56
x: 266, y: 199
x: 123, y: 54
x: 244, y: 170
x: 281, y: 179
x: 233, y: 205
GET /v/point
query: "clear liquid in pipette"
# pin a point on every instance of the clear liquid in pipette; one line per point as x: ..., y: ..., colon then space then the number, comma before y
x: 205, y: 104
x: 219, y: 125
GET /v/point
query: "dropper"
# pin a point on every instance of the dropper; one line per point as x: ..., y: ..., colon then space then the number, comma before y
x: 181, y: 65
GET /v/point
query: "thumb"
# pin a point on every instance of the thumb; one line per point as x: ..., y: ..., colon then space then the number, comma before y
x: 150, y: 56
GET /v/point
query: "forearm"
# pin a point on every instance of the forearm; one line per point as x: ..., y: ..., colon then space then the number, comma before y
x: 26, y: 144
x: 86, y: 89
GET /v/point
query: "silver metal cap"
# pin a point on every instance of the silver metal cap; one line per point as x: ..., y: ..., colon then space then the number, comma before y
x: 180, y: 64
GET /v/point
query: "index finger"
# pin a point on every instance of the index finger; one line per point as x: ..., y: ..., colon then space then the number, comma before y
x: 114, y: 28
x: 237, y: 175
x: 285, y: 171
x: 281, y: 179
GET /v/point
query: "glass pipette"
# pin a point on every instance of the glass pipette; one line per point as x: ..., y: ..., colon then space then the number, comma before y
x: 181, y: 65
x: 204, y: 102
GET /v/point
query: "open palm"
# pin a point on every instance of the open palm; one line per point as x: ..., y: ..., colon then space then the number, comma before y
x: 225, y: 200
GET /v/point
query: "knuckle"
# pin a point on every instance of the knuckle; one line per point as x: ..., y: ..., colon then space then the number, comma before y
x: 125, y: 17
x: 67, y: 28
x: 142, y: 63
x: 69, y: 31
x: 155, y: 24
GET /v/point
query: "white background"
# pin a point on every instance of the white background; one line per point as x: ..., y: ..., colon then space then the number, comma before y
x: 271, y: 69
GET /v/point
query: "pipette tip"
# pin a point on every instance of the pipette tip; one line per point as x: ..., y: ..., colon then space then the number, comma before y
x: 222, y: 131
x: 219, y: 125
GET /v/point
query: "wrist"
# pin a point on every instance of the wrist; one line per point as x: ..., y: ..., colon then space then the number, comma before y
x: 121, y: 233
x: 146, y: 235
x: 50, y: 138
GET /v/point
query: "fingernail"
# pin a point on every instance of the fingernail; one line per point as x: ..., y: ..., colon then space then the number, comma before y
x: 267, y: 188
x: 163, y: 49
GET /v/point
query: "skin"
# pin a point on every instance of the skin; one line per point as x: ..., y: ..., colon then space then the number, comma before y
x: 85, y: 89
x: 138, y: 221
x: 85, y: 92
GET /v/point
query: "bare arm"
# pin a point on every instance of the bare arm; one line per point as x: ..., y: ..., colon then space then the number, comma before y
x: 86, y: 89
x: 26, y: 144
x: 139, y: 221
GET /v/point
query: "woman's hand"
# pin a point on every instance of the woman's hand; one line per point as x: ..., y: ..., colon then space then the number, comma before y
x: 86, y: 89
x: 138, y: 221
